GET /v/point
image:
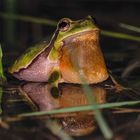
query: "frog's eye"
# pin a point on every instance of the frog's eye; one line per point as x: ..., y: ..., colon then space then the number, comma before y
x: 64, y: 25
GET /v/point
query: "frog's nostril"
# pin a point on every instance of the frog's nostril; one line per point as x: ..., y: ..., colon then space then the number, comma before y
x: 64, y: 25
x: 93, y: 18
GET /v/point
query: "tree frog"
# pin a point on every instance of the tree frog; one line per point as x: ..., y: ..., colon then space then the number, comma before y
x: 72, y: 53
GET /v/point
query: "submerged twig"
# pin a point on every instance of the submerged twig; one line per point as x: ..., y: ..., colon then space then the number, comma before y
x: 126, y: 110
x: 130, y: 68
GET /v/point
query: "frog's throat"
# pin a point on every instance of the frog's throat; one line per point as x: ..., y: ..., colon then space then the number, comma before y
x: 82, y: 56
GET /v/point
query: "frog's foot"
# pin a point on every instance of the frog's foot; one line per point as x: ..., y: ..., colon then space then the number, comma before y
x: 118, y: 87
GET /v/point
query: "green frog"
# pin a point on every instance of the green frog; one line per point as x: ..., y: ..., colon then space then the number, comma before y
x: 72, y: 53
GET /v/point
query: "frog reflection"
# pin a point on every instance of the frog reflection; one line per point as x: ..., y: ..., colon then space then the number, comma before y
x: 69, y: 95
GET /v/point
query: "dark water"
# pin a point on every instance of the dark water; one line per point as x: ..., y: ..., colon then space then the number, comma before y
x: 27, y: 97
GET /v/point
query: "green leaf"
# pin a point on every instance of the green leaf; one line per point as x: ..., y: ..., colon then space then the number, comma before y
x: 80, y: 108
x: 2, y: 77
x: 28, y: 19
x: 130, y: 27
x: 120, y: 35
x: 1, y: 93
x: 98, y: 116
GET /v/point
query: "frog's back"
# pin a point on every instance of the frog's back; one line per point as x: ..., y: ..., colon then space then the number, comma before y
x: 26, y: 59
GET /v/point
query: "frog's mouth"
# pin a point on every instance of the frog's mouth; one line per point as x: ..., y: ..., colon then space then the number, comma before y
x: 91, y: 33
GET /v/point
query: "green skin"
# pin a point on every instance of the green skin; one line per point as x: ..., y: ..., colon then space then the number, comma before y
x: 75, y: 27
x: 27, y: 58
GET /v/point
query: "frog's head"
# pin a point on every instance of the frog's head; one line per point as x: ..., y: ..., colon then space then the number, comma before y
x: 78, y: 49
x: 69, y: 30
x: 67, y: 27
